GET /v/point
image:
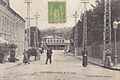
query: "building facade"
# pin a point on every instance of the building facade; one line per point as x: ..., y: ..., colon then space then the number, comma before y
x: 35, y: 37
x: 56, y: 43
x: 12, y: 25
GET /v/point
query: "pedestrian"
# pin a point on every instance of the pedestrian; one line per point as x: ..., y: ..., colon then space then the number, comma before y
x: 49, y: 55
x: 41, y: 50
x: 84, y: 54
x: 108, y: 61
x: 25, y: 59
x: 38, y: 53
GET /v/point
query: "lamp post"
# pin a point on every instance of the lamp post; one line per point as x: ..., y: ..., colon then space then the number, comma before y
x: 115, y: 26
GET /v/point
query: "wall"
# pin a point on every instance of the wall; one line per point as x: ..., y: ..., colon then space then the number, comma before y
x: 96, y: 51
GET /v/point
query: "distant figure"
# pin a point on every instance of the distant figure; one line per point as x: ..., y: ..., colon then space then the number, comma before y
x: 41, y: 50
x: 84, y: 54
x: 25, y: 59
x: 49, y: 55
x: 12, y: 55
x: 38, y: 54
x: 108, y: 61
x: 1, y: 58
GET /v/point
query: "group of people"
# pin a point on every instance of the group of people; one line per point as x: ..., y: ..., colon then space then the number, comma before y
x: 37, y: 53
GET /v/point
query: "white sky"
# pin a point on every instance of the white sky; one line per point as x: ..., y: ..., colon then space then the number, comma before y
x: 41, y: 6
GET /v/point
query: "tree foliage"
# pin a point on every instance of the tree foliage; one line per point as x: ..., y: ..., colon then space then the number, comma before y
x: 96, y: 21
x: 5, y: 48
x: 62, y: 32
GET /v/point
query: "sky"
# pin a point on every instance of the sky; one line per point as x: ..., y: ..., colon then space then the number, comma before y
x: 41, y: 7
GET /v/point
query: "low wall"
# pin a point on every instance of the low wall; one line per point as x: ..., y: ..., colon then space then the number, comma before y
x: 96, y: 51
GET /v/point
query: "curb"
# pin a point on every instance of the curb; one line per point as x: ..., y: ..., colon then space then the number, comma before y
x: 115, y: 69
x: 14, y: 65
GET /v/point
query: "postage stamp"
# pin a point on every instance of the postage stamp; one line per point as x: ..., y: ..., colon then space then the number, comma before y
x: 56, y: 12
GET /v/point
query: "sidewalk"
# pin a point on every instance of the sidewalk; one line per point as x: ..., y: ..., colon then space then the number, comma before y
x: 97, y: 62
x: 8, y: 65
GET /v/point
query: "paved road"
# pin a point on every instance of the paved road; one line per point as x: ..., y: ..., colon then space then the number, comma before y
x: 64, y: 67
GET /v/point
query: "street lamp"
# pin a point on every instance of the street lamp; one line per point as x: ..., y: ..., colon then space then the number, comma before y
x: 115, y: 26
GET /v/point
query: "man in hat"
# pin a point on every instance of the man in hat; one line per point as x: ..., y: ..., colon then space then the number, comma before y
x: 49, y: 55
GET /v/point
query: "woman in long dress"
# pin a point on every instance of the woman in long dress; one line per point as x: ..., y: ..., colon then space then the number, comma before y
x: 25, y: 59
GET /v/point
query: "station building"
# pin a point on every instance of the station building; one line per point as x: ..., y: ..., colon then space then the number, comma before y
x: 56, y: 43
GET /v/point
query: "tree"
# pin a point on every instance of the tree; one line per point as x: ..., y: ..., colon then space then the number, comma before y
x: 62, y: 32
x: 7, y: 49
x: 96, y: 21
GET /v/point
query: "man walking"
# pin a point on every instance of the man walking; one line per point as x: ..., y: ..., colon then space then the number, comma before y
x: 49, y: 55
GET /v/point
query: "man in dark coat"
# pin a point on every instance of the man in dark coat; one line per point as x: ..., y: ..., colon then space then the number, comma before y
x: 12, y: 55
x: 84, y: 54
x: 49, y: 55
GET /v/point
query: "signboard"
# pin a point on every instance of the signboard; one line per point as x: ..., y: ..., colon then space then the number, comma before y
x: 56, y: 12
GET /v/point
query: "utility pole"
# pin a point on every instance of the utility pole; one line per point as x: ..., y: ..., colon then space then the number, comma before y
x: 36, y: 31
x: 75, y: 33
x: 28, y: 2
x: 107, y: 35
x: 85, y: 26
x: 84, y: 52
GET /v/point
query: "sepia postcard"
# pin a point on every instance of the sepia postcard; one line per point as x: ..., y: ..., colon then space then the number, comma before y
x: 59, y: 39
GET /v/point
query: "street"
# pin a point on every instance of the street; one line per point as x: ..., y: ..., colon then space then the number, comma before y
x: 63, y: 67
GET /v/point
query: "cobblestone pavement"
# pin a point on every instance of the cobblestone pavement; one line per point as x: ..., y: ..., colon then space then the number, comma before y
x: 63, y: 67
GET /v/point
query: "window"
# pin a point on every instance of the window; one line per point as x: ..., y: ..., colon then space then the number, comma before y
x: 63, y: 41
x: 2, y: 22
x: 5, y: 24
x: 60, y: 40
x: 10, y: 27
x: 51, y: 40
x: 48, y: 40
